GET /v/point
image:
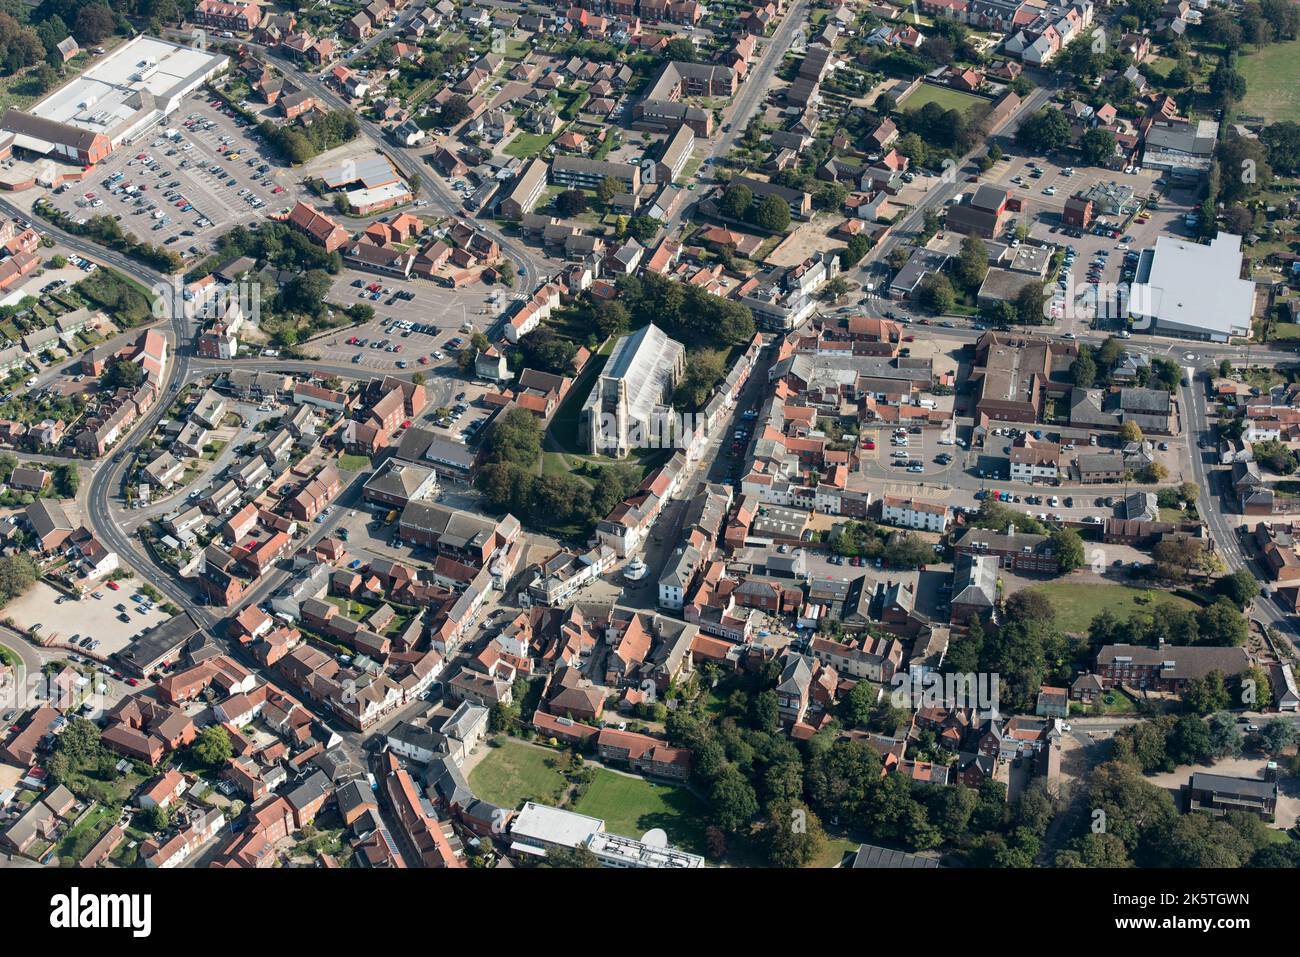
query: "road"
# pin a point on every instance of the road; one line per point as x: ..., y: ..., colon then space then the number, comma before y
x: 1211, y: 504
x: 753, y: 93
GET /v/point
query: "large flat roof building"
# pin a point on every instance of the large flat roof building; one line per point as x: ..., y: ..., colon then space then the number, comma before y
x: 143, y: 80
x: 1191, y: 290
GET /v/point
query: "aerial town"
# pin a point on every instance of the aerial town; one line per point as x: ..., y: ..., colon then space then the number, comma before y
x: 640, y: 434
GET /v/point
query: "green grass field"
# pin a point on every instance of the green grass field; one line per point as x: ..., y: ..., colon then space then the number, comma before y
x: 1077, y: 604
x: 1272, y: 82
x: 514, y: 773
x: 632, y: 806
x: 947, y: 98
x: 353, y: 463
x: 528, y: 145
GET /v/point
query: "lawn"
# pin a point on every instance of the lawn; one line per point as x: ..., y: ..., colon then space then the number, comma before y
x: 529, y: 145
x: 1271, y: 88
x: 514, y: 773
x: 353, y: 463
x: 631, y: 806
x: 947, y: 98
x: 1076, y: 604
x: 1113, y: 701
x: 82, y: 836
x: 564, y: 424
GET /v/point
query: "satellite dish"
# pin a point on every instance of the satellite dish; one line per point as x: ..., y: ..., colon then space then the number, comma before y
x: 655, y: 837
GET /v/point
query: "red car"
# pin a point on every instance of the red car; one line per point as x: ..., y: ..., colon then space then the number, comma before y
x: 868, y: 444
x: 113, y: 585
x: 424, y: 360
x: 909, y: 338
x: 132, y: 682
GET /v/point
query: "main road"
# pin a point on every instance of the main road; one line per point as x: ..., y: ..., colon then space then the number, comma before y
x: 753, y: 92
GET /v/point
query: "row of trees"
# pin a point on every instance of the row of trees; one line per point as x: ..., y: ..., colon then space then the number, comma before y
x: 1220, y: 624
x: 770, y: 213
x: 1166, y: 742
x: 106, y: 231
x: 297, y: 144
x: 687, y: 313
x: 1135, y: 823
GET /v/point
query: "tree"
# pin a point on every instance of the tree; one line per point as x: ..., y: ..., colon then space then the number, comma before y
x: 833, y: 290
x: 793, y: 835
x: 1227, y: 85
x: 1029, y: 303
x: 609, y: 188
x: 1068, y: 547
x: 1245, y: 171
x: 681, y: 49
x: 1240, y: 587
x: 571, y: 202
x: 852, y: 254
x: 733, y: 800
x: 1130, y: 431
x: 611, y: 318
x: 1254, y: 690
x: 1277, y: 735
x: 937, y: 295
x: 1095, y: 850
x: 579, y: 857
x: 213, y: 746
x: 121, y: 374
x: 772, y: 213
x: 1225, y: 735
x: 764, y: 711
x: 17, y: 574
x: 704, y: 370
x: 1097, y: 147
x: 157, y: 818
x: 973, y: 262
x: 1045, y: 131
x: 1084, y: 369
x: 642, y: 228
x: 1207, y: 695
x: 1223, y: 624
x: 1282, y: 142
x: 455, y: 109
x: 93, y: 23
x: 736, y: 201
x: 857, y: 707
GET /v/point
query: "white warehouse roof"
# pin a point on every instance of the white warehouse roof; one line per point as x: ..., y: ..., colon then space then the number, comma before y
x: 1188, y: 288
